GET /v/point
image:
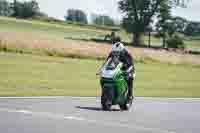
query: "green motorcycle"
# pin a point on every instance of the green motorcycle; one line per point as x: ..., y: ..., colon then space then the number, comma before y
x: 114, y: 86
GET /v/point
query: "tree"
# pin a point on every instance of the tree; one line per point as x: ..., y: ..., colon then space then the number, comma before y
x: 168, y: 25
x: 76, y: 15
x: 139, y: 14
x: 25, y: 9
x: 164, y: 16
x: 192, y: 29
x: 180, y: 24
x: 175, y: 42
x: 30, y: 9
x: 5, y: 8
x: 15, y: 7
x: 103, y: 20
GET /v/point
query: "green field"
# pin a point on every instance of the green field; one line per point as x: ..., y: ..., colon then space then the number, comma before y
x: 53, y: 31
x: 62, y: 31
x: 31, y: 75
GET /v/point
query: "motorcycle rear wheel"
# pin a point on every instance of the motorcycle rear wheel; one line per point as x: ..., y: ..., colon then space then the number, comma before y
x: 126, y: 106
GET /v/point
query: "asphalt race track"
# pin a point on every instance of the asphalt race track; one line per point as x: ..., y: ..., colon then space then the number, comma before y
x: 84, y: 115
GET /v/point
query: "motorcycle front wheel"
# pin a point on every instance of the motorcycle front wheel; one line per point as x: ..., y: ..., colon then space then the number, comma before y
x: 106, y: 100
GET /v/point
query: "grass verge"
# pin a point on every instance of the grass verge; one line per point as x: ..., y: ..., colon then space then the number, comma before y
x: 31, y: 75
x: 15, y: 48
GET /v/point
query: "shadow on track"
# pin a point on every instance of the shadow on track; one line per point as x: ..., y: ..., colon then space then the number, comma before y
x: 94, y: 108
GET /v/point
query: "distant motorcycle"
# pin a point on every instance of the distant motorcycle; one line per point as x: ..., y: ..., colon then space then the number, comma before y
x: 114, y: 86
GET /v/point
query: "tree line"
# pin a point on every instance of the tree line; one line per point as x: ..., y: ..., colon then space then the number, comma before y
x: 76, y: 15
x: 28, y: 9
x: 19, y: 9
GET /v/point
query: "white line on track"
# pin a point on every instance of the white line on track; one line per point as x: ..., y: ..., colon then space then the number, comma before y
x: 75, y: 118
x: 61, y: 97
x: 48, y: 97
x: 42, y: 97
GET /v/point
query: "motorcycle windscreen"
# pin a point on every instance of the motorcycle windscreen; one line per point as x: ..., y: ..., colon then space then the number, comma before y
x: 112, y: 64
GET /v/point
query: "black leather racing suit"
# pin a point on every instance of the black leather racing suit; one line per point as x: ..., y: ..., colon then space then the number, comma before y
x: 128, y: 62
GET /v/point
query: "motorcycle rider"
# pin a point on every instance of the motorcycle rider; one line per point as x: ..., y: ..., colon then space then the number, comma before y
x: 119, y: 51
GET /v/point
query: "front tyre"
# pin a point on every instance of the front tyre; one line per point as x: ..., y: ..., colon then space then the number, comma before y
x: 106, y: 101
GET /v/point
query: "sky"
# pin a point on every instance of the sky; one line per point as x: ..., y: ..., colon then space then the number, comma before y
x: 58, y: 8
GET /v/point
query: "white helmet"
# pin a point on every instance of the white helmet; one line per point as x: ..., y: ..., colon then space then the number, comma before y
x: 118, y: 47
